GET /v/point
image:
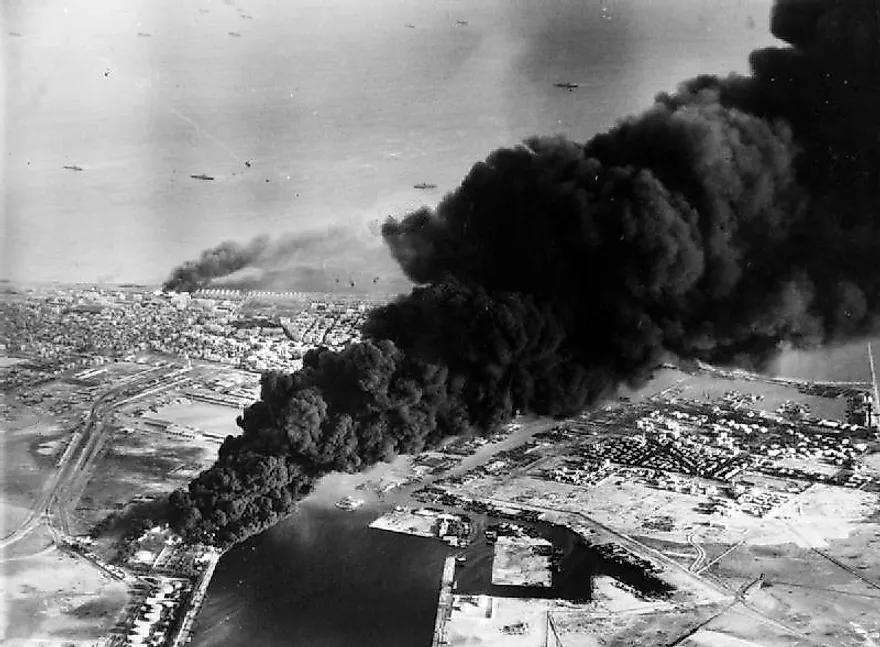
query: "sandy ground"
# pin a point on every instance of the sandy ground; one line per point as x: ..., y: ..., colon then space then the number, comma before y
x: 577, y: 628
x: 808, y: 465
x: 752, y: 630
x: 140, y: 463
x: 404, y: 521
x: 823, y: 601
x: 26, y: 456
x: 514, y: 622
x: 11, y: 515
x: 610, y: 598
x: 515, y: 562
x: 716, y: 639
x: 52, y: 598
x: 872, y: 461
x: 823, y: 513
x: 815, y: 516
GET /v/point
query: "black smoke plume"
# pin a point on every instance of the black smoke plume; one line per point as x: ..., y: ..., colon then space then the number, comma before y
x: 733, y: 215
x: 307, y: 261
x: 224, y: 259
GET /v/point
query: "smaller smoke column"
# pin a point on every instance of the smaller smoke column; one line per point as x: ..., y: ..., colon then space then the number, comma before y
x: 214, y: 263
x: 278, y: 262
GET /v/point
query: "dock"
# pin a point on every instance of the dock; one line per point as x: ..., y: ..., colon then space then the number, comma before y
x: 444, y: 603
x: 195, y: 603
x: 875, y: 415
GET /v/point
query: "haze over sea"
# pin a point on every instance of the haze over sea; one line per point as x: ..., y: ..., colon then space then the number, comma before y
x: 341, y: 107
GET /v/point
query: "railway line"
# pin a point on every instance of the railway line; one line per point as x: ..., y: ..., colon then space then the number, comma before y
x: 61, y: 492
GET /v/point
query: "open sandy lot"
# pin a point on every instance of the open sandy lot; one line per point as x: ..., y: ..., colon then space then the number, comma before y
x: 816, y: 515
x: 823, y: 513
x: 140, y: 463
x: 516, y: 562
x: 709, y: 638
x: 517, y: 622
x: 29, y: 447
x: 638, y: 627
x: 805, y: 620
x: 405, y: 522
x: 53, y: 598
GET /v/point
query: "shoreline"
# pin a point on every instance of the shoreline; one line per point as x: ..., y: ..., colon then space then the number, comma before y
x: 184, y: 634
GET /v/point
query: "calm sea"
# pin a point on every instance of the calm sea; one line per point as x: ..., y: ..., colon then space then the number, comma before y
x: 338, y: 104
x: 324, y: 578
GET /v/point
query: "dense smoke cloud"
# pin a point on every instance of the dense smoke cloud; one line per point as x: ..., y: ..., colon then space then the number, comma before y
x: 317, y: 260
x: 219, y: 261
x: 733, y: 215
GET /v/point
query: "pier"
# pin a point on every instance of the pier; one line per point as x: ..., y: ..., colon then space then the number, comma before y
x: 444, y: 603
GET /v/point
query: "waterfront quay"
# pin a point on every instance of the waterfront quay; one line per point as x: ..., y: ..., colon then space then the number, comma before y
x: 195, y: 604
x: 444, y: 604
x: 169, y: 579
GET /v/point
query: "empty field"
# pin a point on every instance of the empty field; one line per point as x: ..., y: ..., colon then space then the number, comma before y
x: 522, y: 561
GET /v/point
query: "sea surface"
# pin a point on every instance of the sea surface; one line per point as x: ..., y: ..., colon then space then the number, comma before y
x: 339, y: 106
x: 324, y: 578
x: 845, y: 363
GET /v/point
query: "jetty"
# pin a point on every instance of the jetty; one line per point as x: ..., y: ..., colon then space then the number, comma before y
x: 444, y: 603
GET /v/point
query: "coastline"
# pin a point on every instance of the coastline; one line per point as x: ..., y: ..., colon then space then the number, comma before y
x: 194, y: 605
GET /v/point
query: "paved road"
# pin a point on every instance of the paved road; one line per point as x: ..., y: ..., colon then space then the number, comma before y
x: 701, y: 554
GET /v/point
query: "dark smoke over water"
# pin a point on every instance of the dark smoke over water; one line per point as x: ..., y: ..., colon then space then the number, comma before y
x: 733, y: 216
x: 224, y: 259
x: 311, y: 261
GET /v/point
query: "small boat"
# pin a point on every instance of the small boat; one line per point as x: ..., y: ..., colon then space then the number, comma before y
x: 424, y: 185
x: 349, y: 503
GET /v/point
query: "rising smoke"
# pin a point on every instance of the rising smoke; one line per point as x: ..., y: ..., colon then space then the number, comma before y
x: 224, y: 259
x: 307, y: 261
x: 734, y: 215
